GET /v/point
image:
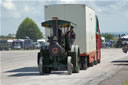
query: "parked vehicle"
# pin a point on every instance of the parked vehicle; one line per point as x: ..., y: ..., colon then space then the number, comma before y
x: 59, y: 52
x: 28, y: 44
x: 41, y: 42
x: 125, y: 44
x: 10, y: 43
x: 36, y: 45
x: 122, y: 38
x: 4, y: 45
x: 17, y: 46
x: 125, y: 48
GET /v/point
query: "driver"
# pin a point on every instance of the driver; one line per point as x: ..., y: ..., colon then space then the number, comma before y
x: 72, y: 34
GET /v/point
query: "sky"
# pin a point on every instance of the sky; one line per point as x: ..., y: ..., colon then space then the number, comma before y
x: 112, y: 14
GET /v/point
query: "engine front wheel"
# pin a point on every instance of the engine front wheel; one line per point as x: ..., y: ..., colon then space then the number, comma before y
x: 41, y: 70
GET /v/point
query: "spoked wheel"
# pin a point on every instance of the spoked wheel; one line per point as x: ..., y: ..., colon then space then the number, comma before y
x: 69, y: 65
x: 41, y: 70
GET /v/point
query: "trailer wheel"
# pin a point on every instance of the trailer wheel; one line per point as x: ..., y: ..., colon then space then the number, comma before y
x: 91, y: 64
x: 41, y: 70
x: 69, y: 65
x: 95, y: 62
x: 85, y: 64
x: 99, y: 61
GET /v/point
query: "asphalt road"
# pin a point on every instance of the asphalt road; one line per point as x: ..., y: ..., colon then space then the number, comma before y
x: 20, y: 68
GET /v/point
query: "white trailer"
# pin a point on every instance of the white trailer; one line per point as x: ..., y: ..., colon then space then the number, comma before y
x: 87, y: 29
x: 84, y: 18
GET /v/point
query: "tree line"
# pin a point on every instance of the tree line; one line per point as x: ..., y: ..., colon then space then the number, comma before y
x: 110, y: 36
x: 28, y: 28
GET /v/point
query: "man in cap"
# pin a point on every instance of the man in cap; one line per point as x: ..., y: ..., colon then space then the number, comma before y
x: 71, y: 34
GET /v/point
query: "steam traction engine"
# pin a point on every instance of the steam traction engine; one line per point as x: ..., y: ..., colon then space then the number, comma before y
x: 59, y: 54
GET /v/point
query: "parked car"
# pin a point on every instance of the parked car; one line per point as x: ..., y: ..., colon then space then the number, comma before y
x: 125, y: 46
x: 36, y: 45
x: 4, y: 45
x: 28, y: 44
x: 17, y: 46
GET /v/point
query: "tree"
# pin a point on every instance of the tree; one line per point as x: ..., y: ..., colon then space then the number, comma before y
x: 6, y: 37
x: 108, y: 36
x: 28, y: 28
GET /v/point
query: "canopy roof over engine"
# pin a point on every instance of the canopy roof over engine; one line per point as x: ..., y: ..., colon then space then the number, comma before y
x: 61, y: 24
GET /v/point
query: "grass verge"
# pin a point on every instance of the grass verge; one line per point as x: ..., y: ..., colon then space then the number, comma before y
x: 126, y: 83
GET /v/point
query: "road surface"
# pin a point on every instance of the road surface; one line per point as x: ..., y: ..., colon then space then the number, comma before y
x: 20, y: 68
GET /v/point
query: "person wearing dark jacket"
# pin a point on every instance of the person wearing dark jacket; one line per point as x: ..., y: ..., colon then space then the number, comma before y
x: 71, y: 34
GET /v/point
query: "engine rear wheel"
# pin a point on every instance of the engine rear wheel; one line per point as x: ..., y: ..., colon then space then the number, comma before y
x: 77, y: 68
x: 69, y: 65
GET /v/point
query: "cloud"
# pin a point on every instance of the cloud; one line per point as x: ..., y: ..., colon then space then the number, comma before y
x: 113, y: 15
x: 48, y: 2
x: 9, y: 5
x: 120, y: 5
x: 31, y: 9
x: 108, y: 8
x: 68, y: 1
x: 26, y: 8
x: 9, y: 8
